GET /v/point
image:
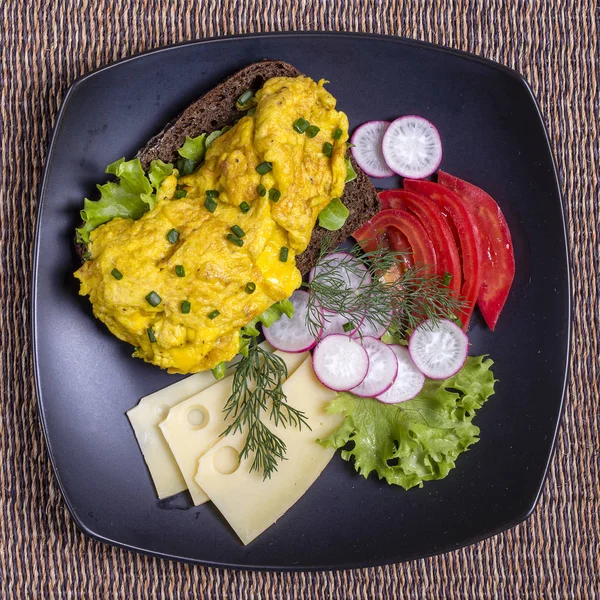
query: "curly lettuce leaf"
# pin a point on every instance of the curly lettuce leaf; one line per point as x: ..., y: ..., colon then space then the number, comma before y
x: 350, y: 172
x: 267, y: 318
x: 132, y: 195
x: 418, y: 440
x: 194, y: 148
x: 334, y: 215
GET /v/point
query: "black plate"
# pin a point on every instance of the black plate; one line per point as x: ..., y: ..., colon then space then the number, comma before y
x: 493, y: 136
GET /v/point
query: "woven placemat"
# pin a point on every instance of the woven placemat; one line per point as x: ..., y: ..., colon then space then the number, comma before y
x: 46, y: 45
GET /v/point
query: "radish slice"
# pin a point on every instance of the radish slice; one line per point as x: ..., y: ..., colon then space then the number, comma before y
x: 412, y: 147
x: 334, y: 323
x: 340, y: 363
x: 292, y: 335
x: 383, y: 368
x: 367, y: 149
x: 352, y: 271
x: 439, y: 351
x: 368, y: 329
x: 409, y: 380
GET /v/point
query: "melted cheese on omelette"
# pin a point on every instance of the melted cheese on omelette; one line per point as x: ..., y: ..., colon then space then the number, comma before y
x: 217, y: 270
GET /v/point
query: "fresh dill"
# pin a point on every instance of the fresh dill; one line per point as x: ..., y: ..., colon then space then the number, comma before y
x: 257, y: 390
x: 398, y: 303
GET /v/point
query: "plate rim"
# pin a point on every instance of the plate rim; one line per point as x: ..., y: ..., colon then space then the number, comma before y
x: 33, y: 311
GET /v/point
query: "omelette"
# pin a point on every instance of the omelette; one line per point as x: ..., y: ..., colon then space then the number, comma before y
x: 219, y: 246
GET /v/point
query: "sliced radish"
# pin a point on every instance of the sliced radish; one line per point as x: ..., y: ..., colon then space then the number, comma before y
x: 369, y: 329
x: 340, y: 363
x: 412, y: 147
x: 409, y: 380
x: 334, y: 323
x: 292, y: 335
x: 352, y: 271
x: 439, y: 351
x: 366, y: 149
x: 383, y: 368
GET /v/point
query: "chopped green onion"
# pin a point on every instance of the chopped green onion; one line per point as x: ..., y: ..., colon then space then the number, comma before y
x: 153, y: 299
x: 312, y: 131
x: 185, y: 166
x: 274, y: 194
x: 261, y: 190
x: 238, y: 231
x: 264, y: 167
x: 220, y: 370
x: 234, y: 239
x: 214, y: 314
x: 283, y: 254
x: 151, y: 335
x: 244, y: 207
x: 337, y: 134
x: 185, y: 307
x: 251, y: 112
x: 179, y: 271
x: 117, y: 274
x: 244, y: 99
x: 327, y: 149
x: 447, y: 279
x: 211, y: 204
x: 173, y: 236
x: 180, y: 194
x: 87, y: 256
x: 250, y: 287
x: 212, y: 193
x: 301, y: 125
x: 349, y: 326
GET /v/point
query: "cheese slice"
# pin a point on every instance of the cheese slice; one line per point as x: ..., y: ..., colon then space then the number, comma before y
x: 250, y: 504
x: 145, y: 417
x: 195, y: 425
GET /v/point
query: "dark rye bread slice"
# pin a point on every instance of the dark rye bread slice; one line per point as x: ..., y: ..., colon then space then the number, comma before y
x: 216, y: 109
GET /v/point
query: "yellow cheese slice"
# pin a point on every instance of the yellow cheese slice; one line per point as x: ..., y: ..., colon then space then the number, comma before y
x: 250, y: 504
x: 195, y: 425
x: 145, y: 417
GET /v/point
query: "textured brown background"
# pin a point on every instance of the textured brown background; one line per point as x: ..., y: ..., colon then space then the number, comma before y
x: 45, y: 45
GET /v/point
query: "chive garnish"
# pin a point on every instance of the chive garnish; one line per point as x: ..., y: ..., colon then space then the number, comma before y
x: 327, y: 149
x: 153, y: 299
x: 349, y: 326
x: 264, y: 167
x: 173, y: 236
x: 238, y: 231
x: 251, y: 112
x: 274, y: 194
x: 337, y: 134
x: 214, y: 314
x: 261, y: 190
x: 185, y: 307
x: 185, y: 166
x: 250, y: 287
x: 180, y: 194
x: 117, y: 274
x: 234, y: 239
x: 312, y: 131
x: 447, y: 279
x: 211, y: 204
x: 244, y: 207
x: 283, y: 254
x: 301, y: 125
x: 151, y: 335
x: 179, y: 271
x: 245, y: 97
x: 212, y: 193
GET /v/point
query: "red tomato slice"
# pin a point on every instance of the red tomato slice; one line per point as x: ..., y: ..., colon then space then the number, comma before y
x: 398, y: 226
x: 496, y: 248
x: 465, y: 225
x: 436, y: 227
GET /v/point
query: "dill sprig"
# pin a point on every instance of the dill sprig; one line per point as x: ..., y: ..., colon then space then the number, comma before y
x: 414, y: 296
x: 257, y: 388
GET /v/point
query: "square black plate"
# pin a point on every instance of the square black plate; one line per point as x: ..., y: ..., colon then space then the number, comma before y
x: 493, y: 136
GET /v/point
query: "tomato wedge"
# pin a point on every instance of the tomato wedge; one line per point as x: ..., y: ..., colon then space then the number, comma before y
x: 459, y: 217
x: 496, y: 248
x: 399, y: 226
x: 436, y: 227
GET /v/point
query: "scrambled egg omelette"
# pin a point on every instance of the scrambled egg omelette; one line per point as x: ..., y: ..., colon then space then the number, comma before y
x: 181, y: 281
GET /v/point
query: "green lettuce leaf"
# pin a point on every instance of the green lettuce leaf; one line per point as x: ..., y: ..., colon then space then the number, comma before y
x: 268, y: 317
x: 194, y: 148
x: 350, y: 172
x: 334, y: 215
x: 132, y: 195
x: 418, y: 440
